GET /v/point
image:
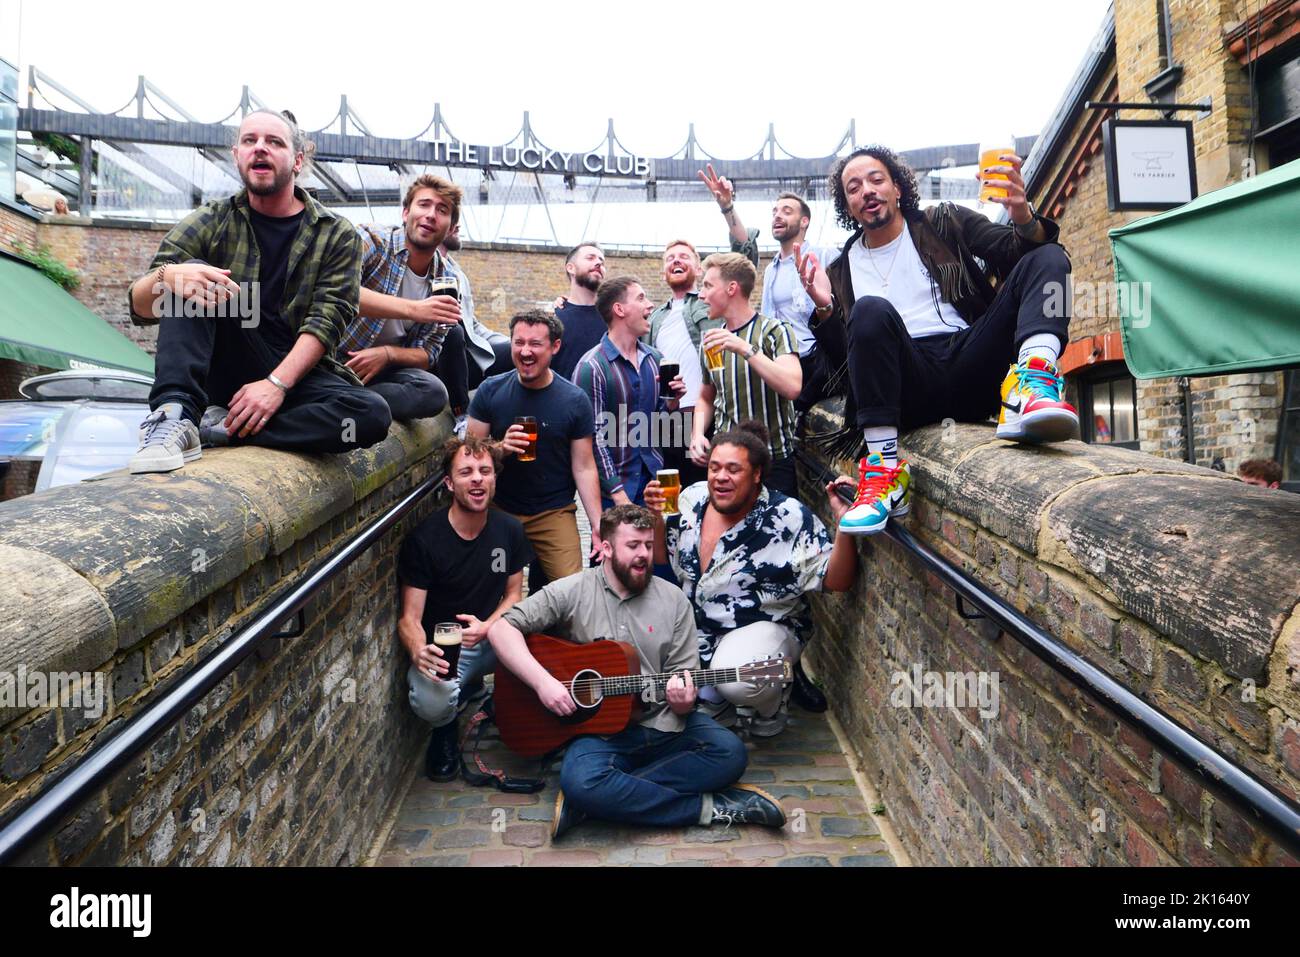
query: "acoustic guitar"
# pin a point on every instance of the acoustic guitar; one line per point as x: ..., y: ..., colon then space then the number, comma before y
x: 604, y: 678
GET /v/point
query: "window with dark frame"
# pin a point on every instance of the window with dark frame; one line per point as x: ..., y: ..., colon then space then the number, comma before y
x: 1288, y: 433
x: 8, y: 130
x: 1109, y: 409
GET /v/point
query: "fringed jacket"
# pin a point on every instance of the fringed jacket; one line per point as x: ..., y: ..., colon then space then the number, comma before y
x: 966, y: 256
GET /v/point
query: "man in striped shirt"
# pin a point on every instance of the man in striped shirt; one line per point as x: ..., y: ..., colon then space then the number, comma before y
x: 620, y: 376
x: 760, y: 376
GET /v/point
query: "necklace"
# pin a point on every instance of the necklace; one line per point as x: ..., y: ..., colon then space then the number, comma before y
x: 884, y: 277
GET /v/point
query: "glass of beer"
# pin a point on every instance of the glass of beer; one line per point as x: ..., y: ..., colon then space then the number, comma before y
x: 713, y: 356
x: 530, y: 430
x: 671, y: 482
x: 445, y: 286
x: 990, y: 151
x: 447, y: 636
x: 668, y: 371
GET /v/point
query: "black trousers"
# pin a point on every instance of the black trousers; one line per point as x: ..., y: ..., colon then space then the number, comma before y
x: 906, y: 383
x: 202, y: 362
x: 781, y: 476
x: 460, y: 372
x: 814, y: 381
x: 410, y: 393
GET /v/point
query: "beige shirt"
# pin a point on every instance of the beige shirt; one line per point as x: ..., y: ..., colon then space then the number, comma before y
x: 659, y: 622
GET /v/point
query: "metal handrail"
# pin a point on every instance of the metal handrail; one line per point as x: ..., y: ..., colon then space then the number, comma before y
x: 38, y: 816
x: 1271, y: 810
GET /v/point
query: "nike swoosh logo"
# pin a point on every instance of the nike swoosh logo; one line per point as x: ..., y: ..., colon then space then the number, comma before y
x: 1013, y: 408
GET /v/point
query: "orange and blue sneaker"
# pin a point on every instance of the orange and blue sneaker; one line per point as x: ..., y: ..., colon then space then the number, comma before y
x: 883, y: 493
x: 1032, y: 408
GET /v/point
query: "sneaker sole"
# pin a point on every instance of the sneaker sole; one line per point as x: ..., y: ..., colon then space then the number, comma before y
x: 900, y: 512
x: 763, y: 794
x: 170, y: 464
x: 1050, y: 425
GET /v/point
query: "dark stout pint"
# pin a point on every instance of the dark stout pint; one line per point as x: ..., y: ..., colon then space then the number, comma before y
x: 447, y: 636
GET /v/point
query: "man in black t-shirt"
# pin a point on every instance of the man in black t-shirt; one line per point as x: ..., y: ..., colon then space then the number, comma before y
x: 583, y: 326
x: 252, y: 292
x: 462, y: 564
x: 539, y: 491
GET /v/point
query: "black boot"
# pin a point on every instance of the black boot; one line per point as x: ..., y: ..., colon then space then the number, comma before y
x: 442, y: 759
x: 746, y: 804
x: 806, y: 694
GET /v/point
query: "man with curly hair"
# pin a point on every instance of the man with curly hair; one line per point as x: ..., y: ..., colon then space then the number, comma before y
x: 924, y: 308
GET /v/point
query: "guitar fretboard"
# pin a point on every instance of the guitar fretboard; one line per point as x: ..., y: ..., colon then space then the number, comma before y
x: 633, y: 684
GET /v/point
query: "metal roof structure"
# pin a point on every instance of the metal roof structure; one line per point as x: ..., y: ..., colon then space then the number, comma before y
x: 153, y: 159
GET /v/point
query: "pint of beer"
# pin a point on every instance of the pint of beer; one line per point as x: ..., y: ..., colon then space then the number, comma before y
x: 713, y: 356
x: 530, y: 430
x: 447, y: 636
x: 445, y: 286
x: 989, y: 156
x: 671, y: 482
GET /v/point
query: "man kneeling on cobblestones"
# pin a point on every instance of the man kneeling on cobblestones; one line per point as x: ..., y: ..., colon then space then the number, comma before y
x: 672, y: 768
x: 463, y: 564
x: 747, y: 556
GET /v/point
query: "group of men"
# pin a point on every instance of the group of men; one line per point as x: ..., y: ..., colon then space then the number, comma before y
x: 918, y: 317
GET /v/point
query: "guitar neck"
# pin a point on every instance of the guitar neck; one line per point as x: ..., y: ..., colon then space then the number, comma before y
x: 633, y: 684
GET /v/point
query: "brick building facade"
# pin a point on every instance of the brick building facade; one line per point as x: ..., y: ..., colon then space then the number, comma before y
x: 1174, y: 51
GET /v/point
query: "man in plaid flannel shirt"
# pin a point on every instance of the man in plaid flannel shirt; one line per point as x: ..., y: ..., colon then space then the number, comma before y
x: 255, y: 291
x: 395, y: 340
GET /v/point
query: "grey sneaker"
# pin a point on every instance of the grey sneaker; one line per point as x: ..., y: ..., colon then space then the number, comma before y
x: 760, y: 727
x: 461, y: 424
x: 212, y: 428
x: 167, y: 441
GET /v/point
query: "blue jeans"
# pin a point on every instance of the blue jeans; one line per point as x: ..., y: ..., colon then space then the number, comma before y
x: 437, y: 701
x: 634, y: 487
x: 644, y: 776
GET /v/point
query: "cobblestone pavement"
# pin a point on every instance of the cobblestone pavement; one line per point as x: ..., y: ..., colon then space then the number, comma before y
x: 828, y: 824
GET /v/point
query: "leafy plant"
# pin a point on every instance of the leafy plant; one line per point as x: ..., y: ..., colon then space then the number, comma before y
x: 54, y: 268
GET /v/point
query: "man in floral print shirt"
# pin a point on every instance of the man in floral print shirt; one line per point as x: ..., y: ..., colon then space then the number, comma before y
x: 747, y: 556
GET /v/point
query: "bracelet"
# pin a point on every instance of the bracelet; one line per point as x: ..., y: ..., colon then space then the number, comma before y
x: 728, y: 209
x: 161, y: 278
x: 275, y: 381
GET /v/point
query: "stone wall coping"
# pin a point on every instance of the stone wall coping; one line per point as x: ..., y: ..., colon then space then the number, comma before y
x: 1206, y: 560
x: 94, y: 568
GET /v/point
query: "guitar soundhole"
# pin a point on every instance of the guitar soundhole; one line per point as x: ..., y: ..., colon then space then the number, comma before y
x: 585, y: 689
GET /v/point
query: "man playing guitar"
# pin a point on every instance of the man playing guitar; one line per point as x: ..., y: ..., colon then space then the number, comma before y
x: 674, y: 767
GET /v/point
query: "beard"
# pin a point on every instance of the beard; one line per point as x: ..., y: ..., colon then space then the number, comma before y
x: 880, y: 220
x: 737, y: 503
x: 633, y: 578
x: 452, y: 243
x: 684, y: 281
x: 413, y: 239
x: 587, y: 280
x: 282, y: 178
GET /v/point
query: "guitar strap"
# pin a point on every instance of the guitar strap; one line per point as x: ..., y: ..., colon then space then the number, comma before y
x: 481, y: 774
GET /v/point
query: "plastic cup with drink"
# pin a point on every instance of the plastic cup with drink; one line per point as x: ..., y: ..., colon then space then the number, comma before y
x: 671, y: 483
x: 992, y: 149
x: 529, y: 424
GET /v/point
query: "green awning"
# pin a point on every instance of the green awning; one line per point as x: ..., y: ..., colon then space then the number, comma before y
x: 1224, y: 276
x: 40, y: 323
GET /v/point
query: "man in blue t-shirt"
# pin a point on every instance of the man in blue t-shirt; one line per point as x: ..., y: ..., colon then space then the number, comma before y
x: 583, y: 327
x: 463, y: 564
x: 538, y: 490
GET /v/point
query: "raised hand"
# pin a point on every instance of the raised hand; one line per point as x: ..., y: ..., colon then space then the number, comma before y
x: 815, y: 281
x: 1015, y: 201
x: 723, y: 192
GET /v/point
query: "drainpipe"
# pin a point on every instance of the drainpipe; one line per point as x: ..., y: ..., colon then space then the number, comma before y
x: 1186, y: 388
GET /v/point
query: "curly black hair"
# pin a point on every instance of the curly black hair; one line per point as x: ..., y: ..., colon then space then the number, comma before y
x: 909, y: 195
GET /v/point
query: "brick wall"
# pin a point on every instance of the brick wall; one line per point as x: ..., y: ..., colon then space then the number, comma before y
x: 16, y: 228
x: 292, y: 759
x: 1107, y: 550
x: 1235, y: 417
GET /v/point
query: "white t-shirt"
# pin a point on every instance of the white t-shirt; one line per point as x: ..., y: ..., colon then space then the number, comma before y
x: 411, y: 287
x: 676, y: 346
x: 909, y: 289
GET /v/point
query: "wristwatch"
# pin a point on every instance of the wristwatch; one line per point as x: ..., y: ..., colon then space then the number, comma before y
x: 823, y: 312
x: 753, y: 351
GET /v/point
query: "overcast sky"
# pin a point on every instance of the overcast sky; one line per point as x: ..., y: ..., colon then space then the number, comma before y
x: 918, y: 75
x: 912, y: 76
